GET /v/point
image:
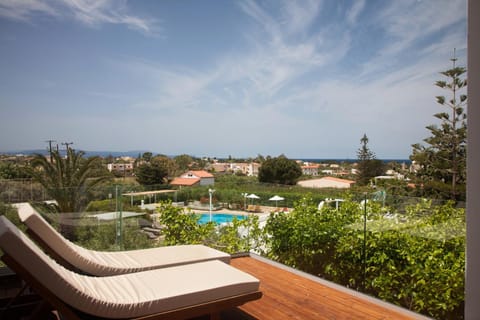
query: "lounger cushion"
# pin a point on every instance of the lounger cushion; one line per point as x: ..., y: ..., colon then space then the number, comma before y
x: 128, y: 295
x: 101, y: 263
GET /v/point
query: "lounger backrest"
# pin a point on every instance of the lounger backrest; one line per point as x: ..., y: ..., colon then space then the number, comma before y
x: 45, y: 270
x: 125, y: 296
x: 102, y: 263
x: 75, y: 255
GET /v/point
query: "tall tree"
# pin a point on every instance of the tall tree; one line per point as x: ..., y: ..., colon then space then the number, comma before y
x: 155, y: 171
x: 183, y: 161
x: 368, y: 165
x: 279, y: 170
x: 68, y: 179
x: 443, y: 161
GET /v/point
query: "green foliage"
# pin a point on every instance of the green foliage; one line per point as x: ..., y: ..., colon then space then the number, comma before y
x: 444, y: 156
x: 183, y: 162
x: 148, y: 174
x: 182, y: 227
x: 102, y: 236
x: 11, y: 214
x: 229, y: 189
x: 279, y: 170
x: 12, y: 171
x: 368, y: 166
x: 419, y: 265
x: 238, y: 236
x: 109, y: 205
x: 415, y: 260
x: 68, y: 179
x: 306, y: 238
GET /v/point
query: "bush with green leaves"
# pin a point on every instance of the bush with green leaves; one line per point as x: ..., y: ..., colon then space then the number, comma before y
x: 103, y: 236
x: 415, y: 259
x: 181, y: 227
x: 241, y: 235
x: 306, y: 238
x: 280, y: 170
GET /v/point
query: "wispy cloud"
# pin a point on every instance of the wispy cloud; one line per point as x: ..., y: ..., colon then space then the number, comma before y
x: 298, y: 16
x: 311, y: 76
x: 418, y: 21
x: 88, y: 12
x: 24, y: 10
x: 283, y: 52
x: 286, y: 49
x: 354, y: 11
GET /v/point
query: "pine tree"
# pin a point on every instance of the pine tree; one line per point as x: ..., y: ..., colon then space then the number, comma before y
x: 368, y: 165
x: 443, y: 161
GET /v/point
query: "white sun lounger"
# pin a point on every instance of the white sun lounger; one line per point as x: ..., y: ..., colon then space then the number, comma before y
x: 102, y: 263
x: 169, y: 293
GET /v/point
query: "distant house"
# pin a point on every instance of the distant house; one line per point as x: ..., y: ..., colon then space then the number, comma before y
x: 194, y: 177
x: 219, y: 167
x: 310, y: 169
x: 327, y: 182
x: 123, y: 168
x: 249, y: 169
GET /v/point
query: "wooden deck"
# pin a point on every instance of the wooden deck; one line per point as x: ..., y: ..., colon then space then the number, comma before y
x: 289, y: 294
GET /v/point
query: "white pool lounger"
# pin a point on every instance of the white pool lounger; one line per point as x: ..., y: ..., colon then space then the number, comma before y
x: 169, y: 293
x: 102, y: 263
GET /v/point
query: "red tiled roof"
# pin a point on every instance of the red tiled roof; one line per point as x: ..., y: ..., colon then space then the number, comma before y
x: 201, y: 173
x: 184, y: 181
x: 313, y: 166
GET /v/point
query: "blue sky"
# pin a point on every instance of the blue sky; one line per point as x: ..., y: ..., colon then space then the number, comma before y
x: 216, y: 78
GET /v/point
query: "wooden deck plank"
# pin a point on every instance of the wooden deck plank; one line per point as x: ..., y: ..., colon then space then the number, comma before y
x: 288, y: 295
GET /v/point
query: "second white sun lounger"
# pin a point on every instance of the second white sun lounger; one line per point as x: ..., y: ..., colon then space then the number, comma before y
x: 102, y: 263
x: 169, y: 293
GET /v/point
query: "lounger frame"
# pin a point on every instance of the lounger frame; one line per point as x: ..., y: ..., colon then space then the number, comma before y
x: 52, y: 302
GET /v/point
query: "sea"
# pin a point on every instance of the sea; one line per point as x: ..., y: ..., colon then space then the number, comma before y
x: 339, y: 160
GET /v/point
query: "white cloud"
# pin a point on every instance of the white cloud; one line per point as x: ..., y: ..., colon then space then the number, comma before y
x: 24, y: 10
x: 288, y: 89
x: 407, y: 22
x: 299, y: 15
x: 286, y: 49
x: 88, y: 12
x: 354, y: 11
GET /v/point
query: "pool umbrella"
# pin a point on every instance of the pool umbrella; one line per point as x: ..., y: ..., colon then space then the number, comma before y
x: 276, y: 199
x: 253, y: 196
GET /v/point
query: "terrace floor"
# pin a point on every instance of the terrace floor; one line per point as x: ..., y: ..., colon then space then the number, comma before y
x: 290, y: 294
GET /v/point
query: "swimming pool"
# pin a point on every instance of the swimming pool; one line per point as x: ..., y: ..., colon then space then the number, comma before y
x: 219, y: 218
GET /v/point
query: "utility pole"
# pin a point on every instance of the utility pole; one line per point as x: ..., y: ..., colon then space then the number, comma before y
x: 50, y: 148
x: 67, y: 144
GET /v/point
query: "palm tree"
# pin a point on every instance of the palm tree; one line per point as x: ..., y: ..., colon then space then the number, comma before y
x: 68, y: 179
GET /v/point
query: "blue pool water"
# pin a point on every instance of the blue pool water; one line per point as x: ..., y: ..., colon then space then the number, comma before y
x: 219, y: 218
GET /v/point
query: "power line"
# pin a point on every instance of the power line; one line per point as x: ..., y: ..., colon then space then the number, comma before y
x: 66, y: 144
x: 50, y: 147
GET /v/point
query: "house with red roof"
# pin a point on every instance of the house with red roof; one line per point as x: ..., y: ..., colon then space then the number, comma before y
x: 310, y: 169
x: 194, y: 177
